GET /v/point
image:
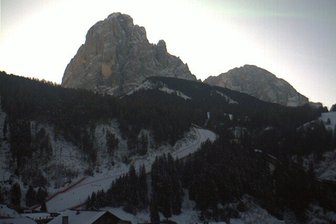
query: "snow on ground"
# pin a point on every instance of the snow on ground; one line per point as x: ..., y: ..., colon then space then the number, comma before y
x: 329, y: 119
x: 67, y: 157
x: 104, y: 160
x: 325, y: 168
x: 78, y: 194
x: 254, y: 214
x: 147, y: 85
x: 7, y: 212
x: 317, y: 214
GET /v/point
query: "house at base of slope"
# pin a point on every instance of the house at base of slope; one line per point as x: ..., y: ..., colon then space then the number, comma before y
x: 10, y: 216
x: 40, y: 217
x: 87, y: 217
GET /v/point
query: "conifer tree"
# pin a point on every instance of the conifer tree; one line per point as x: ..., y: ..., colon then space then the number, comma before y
x: 333, y: 108
x: 166, y: 185
x: 132, y: 187
x: 31, y: 197
x: 5, y: 128
x: 88, y: 203
x: 154, y: 212
x: 44, y: 207
x: 142, y: 188
x: 92, y: 201
x: 41, y: 195
x: 1, y: 195
x: 15, y: 195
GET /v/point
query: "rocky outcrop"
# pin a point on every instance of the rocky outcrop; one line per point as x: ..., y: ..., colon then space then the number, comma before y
x: 259, y: 83
x: 116, y: 57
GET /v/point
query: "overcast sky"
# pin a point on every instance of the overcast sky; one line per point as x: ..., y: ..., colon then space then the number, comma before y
x: 294, y: 39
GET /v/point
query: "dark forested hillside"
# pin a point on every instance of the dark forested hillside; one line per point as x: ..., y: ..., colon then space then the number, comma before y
x: 73, y: 112
x: 167, y: 115
x: 252, y: 155
x: 218, y: 174
x: 221, y: 100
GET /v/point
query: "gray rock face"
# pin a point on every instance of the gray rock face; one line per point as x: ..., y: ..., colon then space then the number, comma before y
x: 116, y: 57
x: 259, y: 83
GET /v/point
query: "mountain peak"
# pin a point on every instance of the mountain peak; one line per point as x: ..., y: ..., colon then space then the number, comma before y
x: 259, y: 83
x: 117, y: 56
x: 118, y: 15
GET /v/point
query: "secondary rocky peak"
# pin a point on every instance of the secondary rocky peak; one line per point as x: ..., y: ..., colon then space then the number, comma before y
x: 259, y: 83
x: 117, y: 56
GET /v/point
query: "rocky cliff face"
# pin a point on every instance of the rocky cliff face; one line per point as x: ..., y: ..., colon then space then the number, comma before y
x: 259, y: 83
x: 117, y: 56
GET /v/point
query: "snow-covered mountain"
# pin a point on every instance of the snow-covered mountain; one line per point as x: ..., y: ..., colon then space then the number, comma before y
x: 116, y: 57
x: 259, y: 83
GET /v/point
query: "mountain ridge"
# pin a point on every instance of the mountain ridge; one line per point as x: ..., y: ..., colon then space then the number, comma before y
x: 259, y: 83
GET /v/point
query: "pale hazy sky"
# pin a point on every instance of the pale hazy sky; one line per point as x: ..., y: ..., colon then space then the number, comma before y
x: 294, y: 39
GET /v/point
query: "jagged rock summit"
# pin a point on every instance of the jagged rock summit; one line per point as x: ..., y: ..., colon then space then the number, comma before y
x: 116, y: 57
x: 259, y: 83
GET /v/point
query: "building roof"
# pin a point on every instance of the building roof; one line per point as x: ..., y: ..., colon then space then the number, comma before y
x: 37, y: 215
x: 18, y: 220
x: 79, y: 217
x: 6, y: 212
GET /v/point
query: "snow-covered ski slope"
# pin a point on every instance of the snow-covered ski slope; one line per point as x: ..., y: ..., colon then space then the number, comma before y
x: 77, y: 194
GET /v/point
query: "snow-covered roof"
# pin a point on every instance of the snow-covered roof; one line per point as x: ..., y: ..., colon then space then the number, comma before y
x: 7, y: 212
x: 79, y: 217
x: 148, y: 85
x: 18, y: 220
x: 39, y: 215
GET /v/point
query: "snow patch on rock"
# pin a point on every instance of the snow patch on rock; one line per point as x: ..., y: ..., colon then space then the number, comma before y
x: 227, y: 98
x: 148, y: 85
